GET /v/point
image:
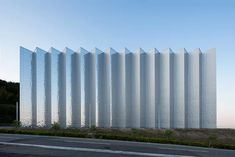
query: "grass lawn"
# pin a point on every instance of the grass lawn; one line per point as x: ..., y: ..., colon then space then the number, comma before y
x: 216, y: 138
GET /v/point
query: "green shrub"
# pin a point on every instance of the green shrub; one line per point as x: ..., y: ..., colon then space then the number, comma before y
x: 211, y: 139
x: 55, y: 126
x: 16, y: 124
x: 168, y: 133
x: 93, y: 127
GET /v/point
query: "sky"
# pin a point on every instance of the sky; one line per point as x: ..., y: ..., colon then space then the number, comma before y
x: 132, y: 24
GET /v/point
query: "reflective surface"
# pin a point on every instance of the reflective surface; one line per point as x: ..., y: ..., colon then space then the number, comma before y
x: 178, y: 121
x: 165, y: 88
x: 103, y: 93
x: 75, y: 90
x: 90, y: 89
x: 62, y: 89
x: 118, y: 89
x: 54, y: 84
x: 26, y: 87
x: 132, y: 89
x: 193, y: 87
x: 208, y: 89
x: 41, y: 95
x: 147, y: 90
x: 68, y: 75
x: 48, y: 89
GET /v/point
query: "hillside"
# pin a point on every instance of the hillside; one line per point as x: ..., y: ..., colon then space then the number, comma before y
x: 9, y: 95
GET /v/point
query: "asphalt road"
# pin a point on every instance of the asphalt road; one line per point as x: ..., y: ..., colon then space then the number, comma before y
x: 14, y: 145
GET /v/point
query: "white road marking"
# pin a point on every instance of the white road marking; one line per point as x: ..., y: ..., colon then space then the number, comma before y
x: 86, y: 142
x: 181, y: 149
x: 93, y: 150
x: 102, y: 143
x: 8, y: 137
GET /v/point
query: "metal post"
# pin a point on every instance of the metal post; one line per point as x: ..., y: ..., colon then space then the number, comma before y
x: 17, y: 111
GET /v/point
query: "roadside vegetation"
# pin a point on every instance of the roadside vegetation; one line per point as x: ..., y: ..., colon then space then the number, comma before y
x: 213, y: 138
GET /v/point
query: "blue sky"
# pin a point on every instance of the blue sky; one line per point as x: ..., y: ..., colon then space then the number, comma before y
x: 124, y: 23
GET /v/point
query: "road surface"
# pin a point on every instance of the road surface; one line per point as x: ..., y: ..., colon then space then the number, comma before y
x: 14, y: 145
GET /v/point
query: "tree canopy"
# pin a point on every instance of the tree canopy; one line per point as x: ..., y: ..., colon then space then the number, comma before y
x: 9, y: 95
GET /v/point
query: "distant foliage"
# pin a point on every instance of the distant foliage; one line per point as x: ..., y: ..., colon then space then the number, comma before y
x: 9, y: 92
x: 9, y: 95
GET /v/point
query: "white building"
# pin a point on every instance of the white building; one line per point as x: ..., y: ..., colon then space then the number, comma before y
x: 123, y: 89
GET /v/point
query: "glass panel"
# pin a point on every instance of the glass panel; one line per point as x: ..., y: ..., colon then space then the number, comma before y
x: 132, y: 89
x: 147, y: 88
x: 62, y: 89
x: 193, y: 90
x: 103, y: 89
x: 40, y: 87
x: 90, y: 89
x: 118, y: 90
x: 54, y: 84
x: 76, y: 89
x: 26, y: 89
x: 48, y: 89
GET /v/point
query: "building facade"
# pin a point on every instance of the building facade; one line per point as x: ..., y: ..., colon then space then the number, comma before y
x: 118, y: 89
